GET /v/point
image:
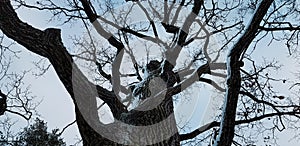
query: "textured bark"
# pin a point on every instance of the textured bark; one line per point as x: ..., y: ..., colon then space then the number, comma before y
x: 226, y: 134
x: 3, y: 104
x: 48, y: 44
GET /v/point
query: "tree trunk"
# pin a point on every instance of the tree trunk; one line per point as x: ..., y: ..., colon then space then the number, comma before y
x: 226, y: 133
x: 48, y: 44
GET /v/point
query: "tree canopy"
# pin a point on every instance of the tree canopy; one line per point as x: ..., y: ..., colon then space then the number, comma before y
x: 137, y: 58
x: 34, y: 135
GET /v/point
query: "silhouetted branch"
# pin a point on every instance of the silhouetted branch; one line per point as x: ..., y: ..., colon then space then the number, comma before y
x: 63, y: 130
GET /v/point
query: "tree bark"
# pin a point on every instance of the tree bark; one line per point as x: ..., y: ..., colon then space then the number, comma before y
x: 48, y: 43
x: 226, y: 133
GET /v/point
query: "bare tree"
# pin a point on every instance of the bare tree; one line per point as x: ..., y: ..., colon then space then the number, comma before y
x: 15, y: 95
x: 139, y: 89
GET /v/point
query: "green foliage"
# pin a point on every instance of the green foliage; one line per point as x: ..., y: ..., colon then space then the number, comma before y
x: 37, y: 135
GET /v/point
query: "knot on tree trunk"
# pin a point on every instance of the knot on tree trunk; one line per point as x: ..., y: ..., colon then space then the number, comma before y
x: 52, y: 35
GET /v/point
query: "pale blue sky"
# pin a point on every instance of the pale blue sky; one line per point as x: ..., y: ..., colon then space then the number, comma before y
x: 57, y: 108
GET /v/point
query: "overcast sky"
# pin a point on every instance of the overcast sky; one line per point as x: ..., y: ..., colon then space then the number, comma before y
x: 57, y: 108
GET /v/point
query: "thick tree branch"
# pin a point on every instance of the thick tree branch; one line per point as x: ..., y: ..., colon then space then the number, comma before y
x: 196, y: 76
x: 172, y: 54
x: 3, y: 104
x: 208, y: 126
x: 211, y: 82
x: 112, y: 40
x: 48, y: 43
x: 102, y: 72
x: 198, y: 131
x: 279, y: 28
x: 226, y: 133
x: 131, y: 31
x: 149, y: 19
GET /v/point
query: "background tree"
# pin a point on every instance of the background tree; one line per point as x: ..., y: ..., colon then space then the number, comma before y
x: 35, y: 134
x: 239, y: 26
x: 15, y: 96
